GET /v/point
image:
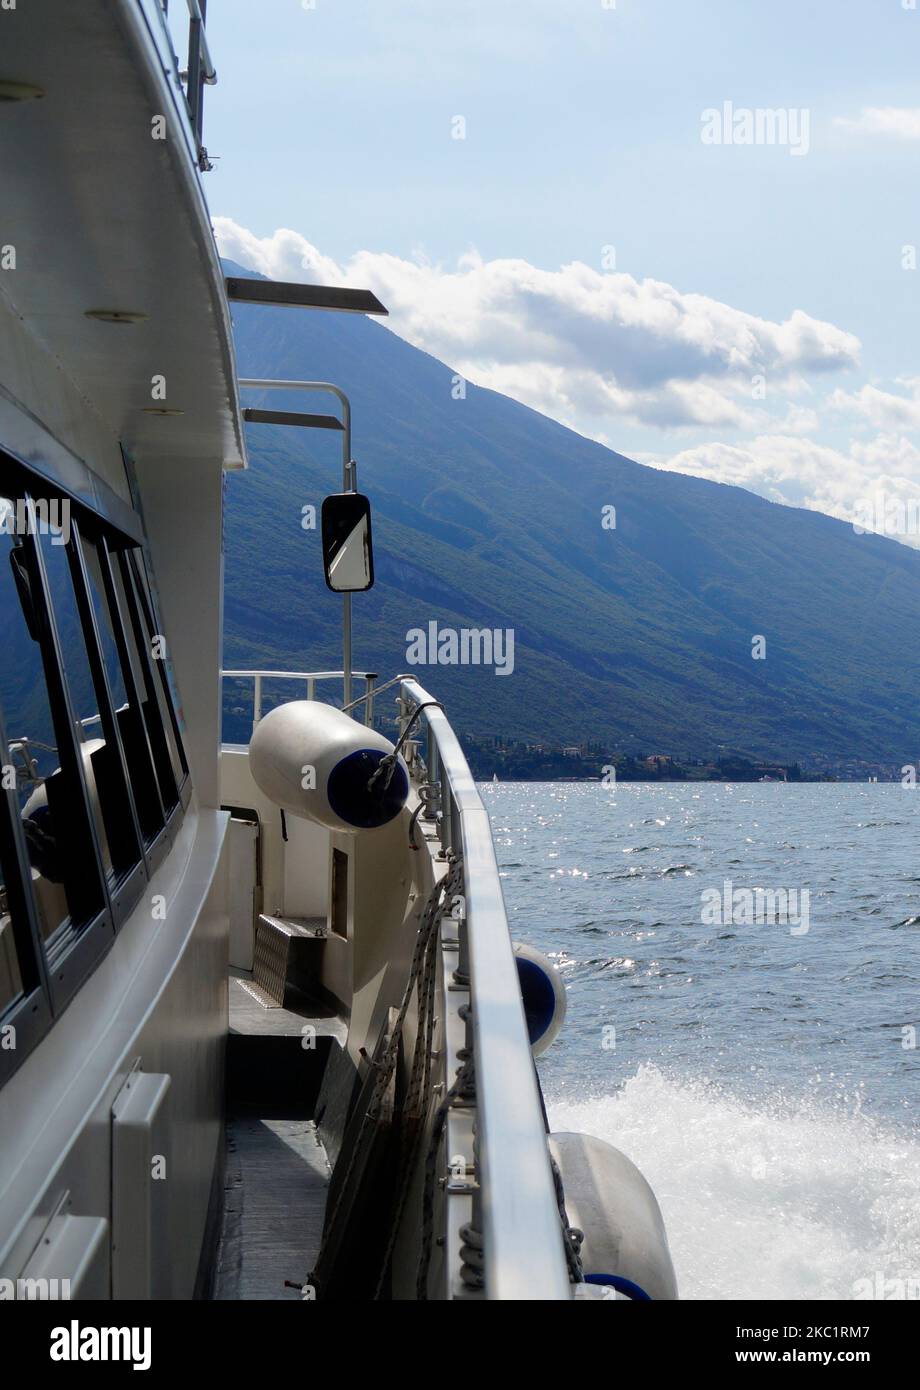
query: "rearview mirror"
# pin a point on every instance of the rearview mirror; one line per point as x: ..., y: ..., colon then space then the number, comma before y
x: 348, y: 557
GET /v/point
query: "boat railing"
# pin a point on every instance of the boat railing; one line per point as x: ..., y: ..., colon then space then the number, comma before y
x: 198, y: 72
x: 521, y: 1230
x: 309, y: 679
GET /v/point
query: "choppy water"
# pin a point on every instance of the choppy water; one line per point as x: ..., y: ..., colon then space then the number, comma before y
x: 763, y: 1075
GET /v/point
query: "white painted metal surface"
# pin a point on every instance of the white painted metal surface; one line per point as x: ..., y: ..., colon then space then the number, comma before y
x: 141, y: 1177
x: 161, y: 979
x: 138, y: 237
x: 71, y: 1260
x: 242, y: 848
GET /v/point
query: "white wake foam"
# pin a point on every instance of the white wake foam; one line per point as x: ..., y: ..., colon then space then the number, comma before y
x: 780, y: 1200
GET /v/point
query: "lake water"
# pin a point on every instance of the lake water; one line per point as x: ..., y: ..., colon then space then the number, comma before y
x: 761, y: 1071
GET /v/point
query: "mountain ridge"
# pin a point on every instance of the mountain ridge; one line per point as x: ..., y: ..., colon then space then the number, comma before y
x: 488, y: 514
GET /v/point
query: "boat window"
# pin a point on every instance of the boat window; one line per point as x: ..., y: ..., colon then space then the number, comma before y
x: 51, y: 785
x: 123, y: 673
x: 91, y: 757
x: 141, y: 656
x: 24, y: 1008
x: 167, y: 694
x: 98, y: 746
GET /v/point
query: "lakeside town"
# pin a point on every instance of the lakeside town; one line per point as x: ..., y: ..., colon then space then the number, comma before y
x: 514, y: 760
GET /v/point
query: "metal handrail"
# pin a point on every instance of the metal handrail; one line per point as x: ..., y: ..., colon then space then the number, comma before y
x: 521, y: 1230
x: 310, y: 677
x: 199, y: 72
x: 208, y: 70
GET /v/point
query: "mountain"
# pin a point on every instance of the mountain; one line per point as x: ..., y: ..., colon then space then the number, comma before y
x: 489, y: 515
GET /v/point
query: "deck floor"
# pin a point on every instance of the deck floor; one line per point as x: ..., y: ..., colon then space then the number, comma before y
x: 274, y: 1204
x: 249, y: 1015
x: 277, y: 1176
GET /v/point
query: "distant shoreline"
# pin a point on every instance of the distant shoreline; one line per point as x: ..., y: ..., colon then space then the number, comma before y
x: 515, y: 761
x: 812, y: 781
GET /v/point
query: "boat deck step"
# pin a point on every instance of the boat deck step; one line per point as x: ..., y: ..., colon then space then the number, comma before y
x: 277, y: 1172
x: 276, y: 1056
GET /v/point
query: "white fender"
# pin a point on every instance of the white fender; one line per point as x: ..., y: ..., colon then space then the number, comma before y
x: 608, y: 1199
x: 543, y: 994
x: 315, y: 762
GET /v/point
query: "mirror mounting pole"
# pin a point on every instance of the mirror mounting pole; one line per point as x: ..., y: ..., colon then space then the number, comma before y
x: 348, y: 485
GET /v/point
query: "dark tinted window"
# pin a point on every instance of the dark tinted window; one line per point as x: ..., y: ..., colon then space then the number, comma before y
x: 143, y: 662
x: 91, y: 757
x: 51, y: 798
x: 96, y: 756
x: 167, y: 695
x: 125, y: 680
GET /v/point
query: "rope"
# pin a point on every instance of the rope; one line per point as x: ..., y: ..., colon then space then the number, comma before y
x: 388, y: 761
x: 418, y: 1096
x: 472, y: 1257
x: 572, y: 1237
x: 427, y: 931
x: 413, y: 843
x: 464, y: 1087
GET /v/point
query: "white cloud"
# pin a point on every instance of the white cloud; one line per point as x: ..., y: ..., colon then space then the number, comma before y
x: 803, y: 473
x: 901, y: 122
x: 580, y: 344
x: 285, y: 255
x: 598, y: 350
x: 883, y: 409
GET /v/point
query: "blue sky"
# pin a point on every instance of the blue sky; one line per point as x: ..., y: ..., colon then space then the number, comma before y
x: 583, y: 132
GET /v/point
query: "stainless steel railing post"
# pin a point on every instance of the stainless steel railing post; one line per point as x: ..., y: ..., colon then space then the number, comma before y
x: 432, y: 761
x: 256, y: 702
x: 445, y: 826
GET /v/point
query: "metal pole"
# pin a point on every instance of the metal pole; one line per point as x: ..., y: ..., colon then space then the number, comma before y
x: 446, y: 819
x: 193, y: 92
x: 348, y: 474
x: 346, y: 598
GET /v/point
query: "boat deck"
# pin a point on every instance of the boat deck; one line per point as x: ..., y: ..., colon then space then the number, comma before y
x: 277, y: 1172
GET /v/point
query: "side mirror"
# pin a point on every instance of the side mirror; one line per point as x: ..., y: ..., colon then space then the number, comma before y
x: 348, y: 556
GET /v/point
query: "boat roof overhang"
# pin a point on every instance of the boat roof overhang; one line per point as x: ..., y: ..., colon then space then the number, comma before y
x: 105, y: 217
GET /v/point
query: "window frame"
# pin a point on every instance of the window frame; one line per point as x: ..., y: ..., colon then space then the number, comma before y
x: 159, y: 842
x: 144, y: 591
x: 165, y: 773
x: 30, y: 1013
x: 129, y: 885
x: 71, y: 959
x: 52, y: 971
